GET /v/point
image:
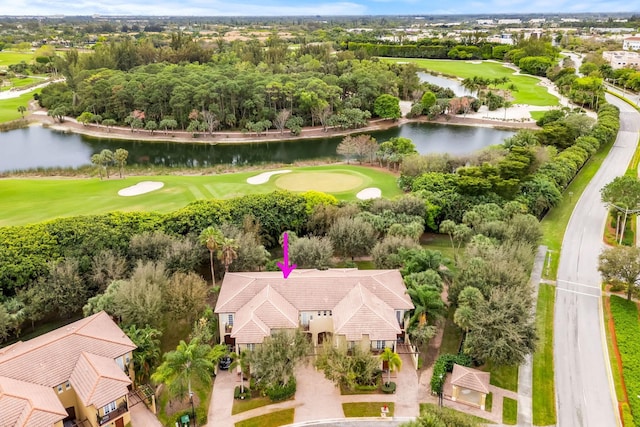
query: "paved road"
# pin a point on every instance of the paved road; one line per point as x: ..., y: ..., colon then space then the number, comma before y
x: 584, y: 394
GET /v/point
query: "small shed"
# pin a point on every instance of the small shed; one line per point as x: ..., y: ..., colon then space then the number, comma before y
x: 469, y: 386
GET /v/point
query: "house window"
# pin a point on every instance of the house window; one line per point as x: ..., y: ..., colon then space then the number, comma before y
x: 67, y: 385
x: 127, y: 359
x: 230, y: 320
x: 60, y: 389
x: 251, y: 347
x: 380, y: 345
x: 110, y: 407
x: 120, y: 362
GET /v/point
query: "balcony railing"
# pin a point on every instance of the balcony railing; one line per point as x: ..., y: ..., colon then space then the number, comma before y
x: 113, y: 414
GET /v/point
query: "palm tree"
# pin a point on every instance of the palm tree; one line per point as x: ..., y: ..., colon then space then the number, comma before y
x: 97, y: 160
x: 186, y: 363
x: 227, y: 252
x: 147, y: 354
x: 121, y: 157
x: 211, y: 238
x: 241, y: 360
x: 428, y: 303
x: 22, y: 109
x: 393, y: 361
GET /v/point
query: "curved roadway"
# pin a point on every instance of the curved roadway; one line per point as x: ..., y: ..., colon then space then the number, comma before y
x: 584, y: 392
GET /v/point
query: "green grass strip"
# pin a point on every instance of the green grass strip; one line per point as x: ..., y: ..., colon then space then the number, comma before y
x: 430, y: 407
x: 366, y: 409
x: 544, y: 408
x: 627, y: 327
x: 613, y: 359
x: 555, y: 221
x: 509, y: 411
x: 273, y: 419
x: 503, y: 376
x: 249, y: 404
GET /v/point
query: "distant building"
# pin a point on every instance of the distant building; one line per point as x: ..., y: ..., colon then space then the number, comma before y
x: 631, y: 43
x: 484, y: 21
x: 622, y: 59
x: 510, y: 21
x: 505, y: 38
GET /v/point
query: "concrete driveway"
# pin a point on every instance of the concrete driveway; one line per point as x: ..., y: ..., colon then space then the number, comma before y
x: 319, y: 397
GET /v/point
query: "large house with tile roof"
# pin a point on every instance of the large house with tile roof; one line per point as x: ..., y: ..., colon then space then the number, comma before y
x: 79, y: 373
x: 349, y: 307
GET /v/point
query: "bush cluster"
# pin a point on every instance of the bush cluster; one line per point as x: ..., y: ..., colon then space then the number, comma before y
x: 278, y: 392
x: 389, y: 388
x: 444, y: 364
x: 239, y: 394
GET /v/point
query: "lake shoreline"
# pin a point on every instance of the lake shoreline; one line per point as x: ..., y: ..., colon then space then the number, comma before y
x: 122, y: 133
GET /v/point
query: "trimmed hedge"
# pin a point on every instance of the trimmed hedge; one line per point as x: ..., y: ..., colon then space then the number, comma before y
x: 238, y: 394
x: 389, y: 388
x: 627, y: 327
x: 443, y: 365
x: 281, y: 392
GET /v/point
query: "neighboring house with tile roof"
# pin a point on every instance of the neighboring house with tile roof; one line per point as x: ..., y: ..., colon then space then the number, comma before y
x: 347, y: 306
x: 78, y: 372
x: 469, y: 386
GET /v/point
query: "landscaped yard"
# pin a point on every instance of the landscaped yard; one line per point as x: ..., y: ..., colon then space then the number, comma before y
x: 273, y: 419
x: 529, y: 92
x: 431, y: 406
x: 544, y: 408
x: 33, y: 200
x: 502, y: 376
x: 366, y: 409
x: 249, y: 404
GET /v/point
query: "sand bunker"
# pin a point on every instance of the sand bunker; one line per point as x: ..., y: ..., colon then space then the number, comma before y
x: 141, y: 188
x: 369, y: 193
x: 264, y: 177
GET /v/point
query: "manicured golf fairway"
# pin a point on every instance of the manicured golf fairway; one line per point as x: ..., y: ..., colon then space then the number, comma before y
x: 529, y: 92
x: 10, y: 57
x: 25, y: 201
x: 9, y: 107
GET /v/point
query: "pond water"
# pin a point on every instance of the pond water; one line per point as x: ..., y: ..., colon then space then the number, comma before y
x: 37, y: 147
x: 453, y: 84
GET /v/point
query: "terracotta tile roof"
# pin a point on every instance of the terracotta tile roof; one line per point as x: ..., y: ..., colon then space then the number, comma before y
x: 360, y: 312
x: 98, y: 380
x: 471, y: 379
x: 310, y: 290
x: 634, y: 39
x: 50, y: 358
x: 271, y: 308
x: 252, y: 331
x: 27, y: 404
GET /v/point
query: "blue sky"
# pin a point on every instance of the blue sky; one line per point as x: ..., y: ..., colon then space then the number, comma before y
x: 308, y: 7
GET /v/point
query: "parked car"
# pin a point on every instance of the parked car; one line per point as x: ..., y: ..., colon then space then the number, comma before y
x: 225, y: 363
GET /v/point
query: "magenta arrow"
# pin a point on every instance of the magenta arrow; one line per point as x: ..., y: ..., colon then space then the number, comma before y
x: 284, y: 266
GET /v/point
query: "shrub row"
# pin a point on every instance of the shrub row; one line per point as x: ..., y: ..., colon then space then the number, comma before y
x: 544, y: 190
x: 625, y: 318
x: 443, y: 365
x: 239, y: 394
x: 26, y: 250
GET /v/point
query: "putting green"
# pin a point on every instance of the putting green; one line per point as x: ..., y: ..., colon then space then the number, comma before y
x: 319, y: 181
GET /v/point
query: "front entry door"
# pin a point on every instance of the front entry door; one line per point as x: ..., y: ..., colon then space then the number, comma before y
x: 120, y: 422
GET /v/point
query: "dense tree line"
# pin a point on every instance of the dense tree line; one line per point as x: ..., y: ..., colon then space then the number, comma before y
x: 254, y: 84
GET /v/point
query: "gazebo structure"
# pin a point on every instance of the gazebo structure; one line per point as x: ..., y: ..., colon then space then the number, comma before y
x: 469, y: 386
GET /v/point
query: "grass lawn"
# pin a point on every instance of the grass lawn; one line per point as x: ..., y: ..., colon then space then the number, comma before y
x: 528, y: 90
x: 32, y: 200
x: 10, y: 57
x: 488, y: 403
x: 20, y: 82
x: 433, y: 408
x: 509, y: 411
x: 537, y: 115
x: 544, y: 408
x: 439, y: 242
x: 249, y: 404
x: 452, y: 336
x: 555, y: 221
x: 366, y: 409
x: 179, y: 407
x: 9, y: 107
x: 613, y: 354
x: 273, y: 419
x: 502, y: 376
